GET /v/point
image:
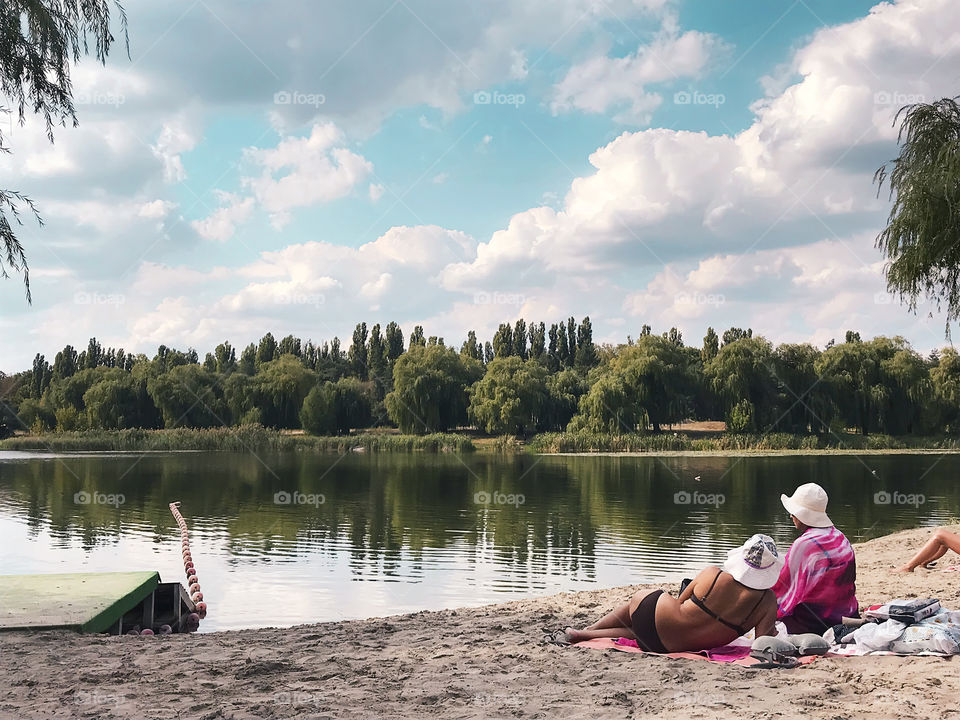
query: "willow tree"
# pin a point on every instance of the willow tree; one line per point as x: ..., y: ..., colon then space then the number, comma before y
x: 39, y: 40
x: 922, y: 238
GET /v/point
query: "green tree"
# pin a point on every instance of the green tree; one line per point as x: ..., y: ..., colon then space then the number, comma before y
x: 743, y: 370
x: 357, y: 354
x: 112, y: 404
x: 281, y: 386
x: 711, y: 346
x: 226, y: 358
x: 921, y: 240
x: 267, y: 349
x: 248, y: 360
x: 394, y: 341
x: 471, y: 348
x: 503, y: 341
x: 648, y: 383
x: 430, y: 389
x: 586, y: 357
x: 416, y: 337
x: 39, y: 42
x: 188, y: 396
x: 945, y: 381
x: 336, y: 408
x: 520, y: 339
x: 377, y: 362
x: 565, y: 389
x: 511, y: 397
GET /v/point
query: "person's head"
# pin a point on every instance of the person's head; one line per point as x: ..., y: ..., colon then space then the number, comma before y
x: 808, y: 507
x: 756, y: 563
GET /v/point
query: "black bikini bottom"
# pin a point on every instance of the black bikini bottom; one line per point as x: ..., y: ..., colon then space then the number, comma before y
x: 644, y: 624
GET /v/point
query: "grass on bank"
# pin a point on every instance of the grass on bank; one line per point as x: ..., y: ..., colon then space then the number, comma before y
x: 260, y: 439
x: 244, y: 437
x: 584, y: 442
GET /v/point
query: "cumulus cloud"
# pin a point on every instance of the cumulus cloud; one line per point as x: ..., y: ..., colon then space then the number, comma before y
x: 222, y: 223
x: 602, y: 82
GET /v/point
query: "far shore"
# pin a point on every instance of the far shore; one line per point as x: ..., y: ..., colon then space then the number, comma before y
x: 470, y: 663
x: 690, y: 439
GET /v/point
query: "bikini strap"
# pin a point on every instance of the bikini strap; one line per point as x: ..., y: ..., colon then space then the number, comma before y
x: 763, y: 594
x: 712, y: 585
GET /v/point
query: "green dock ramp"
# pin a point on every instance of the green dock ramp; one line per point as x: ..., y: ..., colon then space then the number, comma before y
x: 85, y: 602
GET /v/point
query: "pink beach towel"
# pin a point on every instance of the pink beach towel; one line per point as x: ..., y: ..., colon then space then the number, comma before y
x: 737, y: 654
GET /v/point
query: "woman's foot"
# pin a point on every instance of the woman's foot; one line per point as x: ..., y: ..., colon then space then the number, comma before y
x: 574, y: 635
x: 903, y: 569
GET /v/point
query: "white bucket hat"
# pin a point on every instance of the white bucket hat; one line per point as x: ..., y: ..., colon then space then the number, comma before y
x: 809, y: 505
x: 756, y: 563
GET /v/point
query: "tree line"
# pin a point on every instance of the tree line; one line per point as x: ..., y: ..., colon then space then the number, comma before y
x: 527, y: 378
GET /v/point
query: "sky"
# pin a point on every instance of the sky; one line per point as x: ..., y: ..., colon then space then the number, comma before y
x: 299, y: 167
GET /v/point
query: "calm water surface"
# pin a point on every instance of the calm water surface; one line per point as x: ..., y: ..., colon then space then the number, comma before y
x: 294, y: 538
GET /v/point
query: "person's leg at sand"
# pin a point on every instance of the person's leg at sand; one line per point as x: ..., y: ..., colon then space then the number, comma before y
x: 934, y: 549
x: 612, y: 625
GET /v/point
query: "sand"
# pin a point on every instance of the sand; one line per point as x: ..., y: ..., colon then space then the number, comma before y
x: 485, y: 662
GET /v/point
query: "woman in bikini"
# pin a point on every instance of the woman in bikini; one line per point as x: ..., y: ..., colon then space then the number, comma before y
x: 718, y: 606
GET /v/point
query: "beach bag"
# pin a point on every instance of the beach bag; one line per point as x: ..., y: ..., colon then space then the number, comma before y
x: 914, y: 611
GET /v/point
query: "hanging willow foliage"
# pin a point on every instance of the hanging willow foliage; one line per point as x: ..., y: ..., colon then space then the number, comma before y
x: 39, y: 39
x: 922, y: 238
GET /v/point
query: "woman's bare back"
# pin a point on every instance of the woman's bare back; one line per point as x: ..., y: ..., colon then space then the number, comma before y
x: 682, y: 625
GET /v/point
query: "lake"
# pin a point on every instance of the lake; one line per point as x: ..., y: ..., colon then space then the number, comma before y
x: 294, y: 538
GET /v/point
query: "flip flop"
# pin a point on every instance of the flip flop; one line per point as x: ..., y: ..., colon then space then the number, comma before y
x: 557, y: 637
x: 770, y: 659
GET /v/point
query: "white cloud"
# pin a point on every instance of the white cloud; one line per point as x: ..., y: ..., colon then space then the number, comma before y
x: 300, y: 172
x: 602, y: 82
x: 222, y: 223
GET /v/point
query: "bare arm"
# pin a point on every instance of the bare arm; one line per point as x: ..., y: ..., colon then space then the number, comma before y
x: 767, y: 616
x: 707, y: 572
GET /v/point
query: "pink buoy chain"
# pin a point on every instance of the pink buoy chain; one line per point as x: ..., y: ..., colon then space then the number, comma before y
x: 190, y: 570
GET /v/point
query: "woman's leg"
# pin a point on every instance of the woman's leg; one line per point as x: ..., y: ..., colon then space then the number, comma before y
x: 619, y: 618
x: 614, y: 624
x: 933, y: 549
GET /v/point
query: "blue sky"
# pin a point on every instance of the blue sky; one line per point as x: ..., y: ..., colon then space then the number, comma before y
x: 305, y: 166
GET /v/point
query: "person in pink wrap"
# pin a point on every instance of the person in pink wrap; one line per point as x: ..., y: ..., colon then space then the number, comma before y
x: 817, y: 585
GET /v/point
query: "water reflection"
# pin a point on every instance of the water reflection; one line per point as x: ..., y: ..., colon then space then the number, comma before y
x: 379, y: 534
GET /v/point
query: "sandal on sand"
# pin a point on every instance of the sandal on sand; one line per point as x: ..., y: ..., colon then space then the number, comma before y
x: 557, y: 637
x: 772, y: 659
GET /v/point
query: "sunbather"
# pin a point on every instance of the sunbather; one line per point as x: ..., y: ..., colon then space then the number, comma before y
x: 934, y: 549
x: 718, y: 606
x: 817, y: 586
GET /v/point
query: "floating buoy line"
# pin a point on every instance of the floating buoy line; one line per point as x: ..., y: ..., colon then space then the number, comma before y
x: 189, y: 568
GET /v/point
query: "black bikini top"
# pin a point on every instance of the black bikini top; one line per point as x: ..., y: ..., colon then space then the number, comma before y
x: 702, y: 604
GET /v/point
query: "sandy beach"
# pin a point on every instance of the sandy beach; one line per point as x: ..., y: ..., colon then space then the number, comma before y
x: 486, y: 662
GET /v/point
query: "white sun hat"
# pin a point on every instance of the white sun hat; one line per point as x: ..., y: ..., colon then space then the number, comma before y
x: 756, y: 563
x: 809, y: 505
